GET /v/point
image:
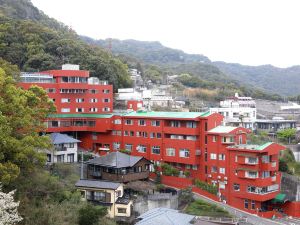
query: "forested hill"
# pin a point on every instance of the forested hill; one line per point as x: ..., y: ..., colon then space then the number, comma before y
x: 33, y: 41
x: 268, y: 78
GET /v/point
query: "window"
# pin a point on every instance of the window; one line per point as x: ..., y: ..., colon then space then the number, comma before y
x: 152, y: 135
x: 50, y: 90
x: 141, y: 134
x: 265, y: 159
x: 99, y: 196
x: 132, y: 133
x: 191, y: 124
x: 106, y: 109
x: 79, y: 100
x: 79, y: 109
x: 65, y: 110
x: 206, y: 126
x: 222, y: 185
x: 175, y: 123
x: 70, y: 158
x: 128, y: 147
x: 251, y: 160
x: 195, y: 167
x: 126, y: 133
x: 251, y: 174
x: 265, y: 174
x: 65, y: 100
x: 222, y: 170
x: 240, y: 139
x: 141, y: 148
x: 205, y: 155
x: 214, y: 139
x: 94, y: 136
x: 60, y: 158
x: 191, y: 138
x: 116, y: 145
x: 221, y: 156
x: 70, y: 145
x: 252, y: 204
x: 93, y: 100
x: 155, y: 123
x: 185, y: 153
x: 118, y: 121
x: 106, y: 100
x: 156, y: 149
x: 93, y: 91
x: 236, y: 187
x: 158, y: 135
x: 105, y: 91
x: 93, y: 109
x: 48, y: 157
x: 170, y: 151
x: 188, y: 166
x: 121, y: 210
x: 246, y: 203
x: 213, y: 156
x: 214, y: 169
x: 128, y: 122
x: 142, y: 123
x: 205, y: 140
x: 116, y: 132
x: 205, y: 169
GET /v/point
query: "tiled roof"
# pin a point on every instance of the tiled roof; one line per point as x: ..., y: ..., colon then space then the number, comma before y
x: 164, y: 216
x: 97, y: 184
x: 116, y: 160
x: 58, y: 138
x: 177, y: 115
x: 222, y: 129
x: 80, y: 115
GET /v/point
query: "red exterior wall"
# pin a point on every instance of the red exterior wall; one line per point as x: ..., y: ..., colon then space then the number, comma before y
x: 134, y: 104
x: 292, y: 209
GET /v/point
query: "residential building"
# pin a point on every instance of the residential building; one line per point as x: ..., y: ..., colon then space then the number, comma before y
x: 108, y: 194
x: 272, y: 126
x: 238, y: 111
x: 65, y: 149
x: 117, y: 166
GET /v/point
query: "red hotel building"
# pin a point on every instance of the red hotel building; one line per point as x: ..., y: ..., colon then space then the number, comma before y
x: 246, y: 175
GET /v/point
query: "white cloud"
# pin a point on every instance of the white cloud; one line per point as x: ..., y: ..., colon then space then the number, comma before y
x: 249, y: 31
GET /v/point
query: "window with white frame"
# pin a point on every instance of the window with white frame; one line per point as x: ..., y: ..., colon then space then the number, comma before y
x: 251, y: 160
x: 170, y: 151
x: 141, y: 148
x: 213, y: 156
x: 79, y: 109
x: 214, y: 169
x: 126, y: 133
x: 142, y: 123
x: 236, y: 187
x: 79, y: 100
x: 251, y: 174
x: 152, y: 135
x: 191, y: 124
x: 221, y: 156
x: 222, y: 185
x: 158, y: 135
x: 265, y: 159
x: 93, y: 109
x: 155, y: 149
x: 128, y: 122
x: 185, y: 153
x: 118, y: 121
x: 106, y: 100
x: 222, y: 170
x: 128, y: 147
x: 116, y: 145
x: 175, y: 123
x: 93, y: 100
x: 65, y: 109
x: 65, y: 100
x: 155, y: 123
x: 106, y: 109
x: 195, y: 167
x: 214, y: 139
x: 105, y: 91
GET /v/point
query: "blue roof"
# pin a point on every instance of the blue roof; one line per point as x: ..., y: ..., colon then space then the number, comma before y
x: 164, y: 216
x: 58, y: 138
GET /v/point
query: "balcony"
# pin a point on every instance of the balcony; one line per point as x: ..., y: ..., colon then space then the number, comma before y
x: 181, y: 130
x: 272, y: 166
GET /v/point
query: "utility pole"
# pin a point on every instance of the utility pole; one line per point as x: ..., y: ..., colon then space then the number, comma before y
x: 81, y: 169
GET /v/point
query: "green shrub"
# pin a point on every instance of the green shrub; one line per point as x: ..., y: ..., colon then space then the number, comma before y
x: 187, y: 173
x: 206, y: 187
x: 90, y: 214
x: 169, y: 170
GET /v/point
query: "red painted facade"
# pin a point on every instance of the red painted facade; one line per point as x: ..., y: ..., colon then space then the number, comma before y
x: 247, y: 178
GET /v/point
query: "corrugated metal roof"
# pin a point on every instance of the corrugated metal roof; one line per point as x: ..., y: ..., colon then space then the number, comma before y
x: 58, y: 138
x: 164, y: 216
x: 116, y: 160
x: 177, y: 115
x: 98, y: 184
x: 251, y: 147
x: 81, y: 115
x: 222, y: 129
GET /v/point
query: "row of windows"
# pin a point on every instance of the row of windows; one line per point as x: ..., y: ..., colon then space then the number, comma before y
x: 65, y: 110
x: 80, y: 100
x: 92, y: 91
x: 214, y: 169
x: 214, y: 156
x: 156, y: 123
x: 257, y: 190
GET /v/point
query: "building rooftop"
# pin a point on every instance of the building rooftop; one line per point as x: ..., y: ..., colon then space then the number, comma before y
x: 251, y: 147
x: 275, y: 121
x: 97, y: 184
x: 58, y: 138
x: 164, y: 216
x: 81, y: 115
x: 222, y: 129
x: 116, y: 160
x: 177, y: 115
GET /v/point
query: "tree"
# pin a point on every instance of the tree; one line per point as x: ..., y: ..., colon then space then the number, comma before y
x: 90, y: 214
x: 22, y: 116
x: 8, y: 209
x: 286, y: 134
x: 283, y: 166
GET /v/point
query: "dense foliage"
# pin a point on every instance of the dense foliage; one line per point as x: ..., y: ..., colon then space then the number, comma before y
x: 90, y: 215
x: 40, y: 43
x: 206, y: 187
x: 287, y: 135
x: 169, y: 170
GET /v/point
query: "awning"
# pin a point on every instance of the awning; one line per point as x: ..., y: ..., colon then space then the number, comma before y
x: 279, y: 198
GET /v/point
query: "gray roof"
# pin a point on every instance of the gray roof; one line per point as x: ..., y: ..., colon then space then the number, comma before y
x: 97, y: 184
x: 58, y: 138
x: 116, y: 160
x: 164, y: 216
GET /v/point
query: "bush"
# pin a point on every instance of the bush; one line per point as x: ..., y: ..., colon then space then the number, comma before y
x: 187, y: 173
x: 169, y: 170
x: 125, y: 151
x: 206, y: 187
x: 186, y: 196
x: 90, y: 214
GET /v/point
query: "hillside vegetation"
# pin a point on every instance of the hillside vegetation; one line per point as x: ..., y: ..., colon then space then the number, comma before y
x: 33, y: 41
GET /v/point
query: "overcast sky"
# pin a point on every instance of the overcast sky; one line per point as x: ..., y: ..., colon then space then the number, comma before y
x: 251, y: 32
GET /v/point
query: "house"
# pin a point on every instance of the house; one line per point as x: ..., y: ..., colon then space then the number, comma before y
x: 109, y: 194
x: 65, y: 149
x: 117, y: 166
x: 237, y: 111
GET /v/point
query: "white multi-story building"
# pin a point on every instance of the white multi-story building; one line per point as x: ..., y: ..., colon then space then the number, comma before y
x: 65, y: 149
x: 238, y: 111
